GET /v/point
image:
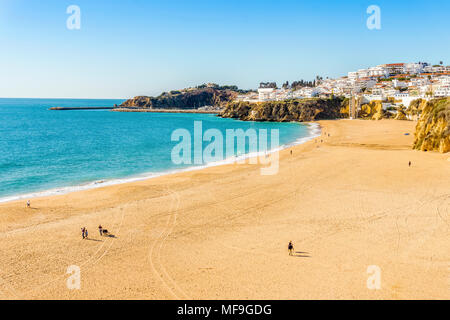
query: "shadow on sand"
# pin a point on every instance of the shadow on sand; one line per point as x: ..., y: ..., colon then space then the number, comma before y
x: 301, y: 254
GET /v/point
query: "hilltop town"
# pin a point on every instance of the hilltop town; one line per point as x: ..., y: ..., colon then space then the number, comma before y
x: 398, y: 83
x: 395, y: 85
x: 401, y: 91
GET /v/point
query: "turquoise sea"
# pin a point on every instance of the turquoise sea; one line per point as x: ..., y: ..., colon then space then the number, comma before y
x: 50, y: 152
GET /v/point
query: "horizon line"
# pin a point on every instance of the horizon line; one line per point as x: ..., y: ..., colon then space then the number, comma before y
x: 64, y: 98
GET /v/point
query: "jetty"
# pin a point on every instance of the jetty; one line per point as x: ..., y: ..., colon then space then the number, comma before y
x: 81, y: 108
x: 128, y: 109
x: 133, y: 109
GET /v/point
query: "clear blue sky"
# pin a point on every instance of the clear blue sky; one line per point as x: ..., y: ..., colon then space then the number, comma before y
x: 144, y: 47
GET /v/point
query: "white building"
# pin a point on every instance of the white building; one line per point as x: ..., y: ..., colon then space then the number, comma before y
x: 401, y: 95
x: 283, y: 94
x: 442, y: 91
x: 367, y: 98
x: 352, y: 76
x: 377, y: 92
x: 414, y: 68
x: 365, y: 83
x: 362, y: 73
x: 308, y: 92
x: 377, y: 71
x: 398, y: 84
x: 266, y: 94
x: 394, y: 68
x: 389, y: 92
x: 417, y: 82
x: 424, y: 89
x: 436, y: 69
x: 444, y: 80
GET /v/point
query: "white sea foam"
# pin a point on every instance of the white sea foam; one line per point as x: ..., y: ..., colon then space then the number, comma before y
x: 314, y: 132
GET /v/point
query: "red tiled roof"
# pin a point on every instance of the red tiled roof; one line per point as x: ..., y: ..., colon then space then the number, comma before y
x: 435, y: 74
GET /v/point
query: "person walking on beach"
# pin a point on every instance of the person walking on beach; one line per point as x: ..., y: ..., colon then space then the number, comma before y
x: 28, y: 204
x: 83, y: 233
x: 291, y: 248
x: 100, y: 230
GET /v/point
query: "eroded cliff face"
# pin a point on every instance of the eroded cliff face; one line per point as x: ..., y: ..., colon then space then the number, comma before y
x: 373, y: 111
x: 415, y: 108
x: 433, y: 127
x: 288, y: 110
x: 192, y: 99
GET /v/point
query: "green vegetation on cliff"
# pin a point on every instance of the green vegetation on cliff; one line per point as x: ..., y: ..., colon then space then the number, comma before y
x: 415, y: 108
x: 287, y: 110
x: 433, y: 127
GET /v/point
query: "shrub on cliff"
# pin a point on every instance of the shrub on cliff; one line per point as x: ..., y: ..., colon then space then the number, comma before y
x: 433, y: 127
x: 415, y: 108
x: 401, y: 113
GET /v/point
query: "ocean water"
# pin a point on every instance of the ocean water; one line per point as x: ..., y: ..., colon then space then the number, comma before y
x: 50, y: 152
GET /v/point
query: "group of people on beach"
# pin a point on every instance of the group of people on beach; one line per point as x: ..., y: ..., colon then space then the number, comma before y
x: 84, y: 230
x: 84, y: 233
x: 101, y: 230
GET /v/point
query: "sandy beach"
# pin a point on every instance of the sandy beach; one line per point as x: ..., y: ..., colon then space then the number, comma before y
x: 347, y: 203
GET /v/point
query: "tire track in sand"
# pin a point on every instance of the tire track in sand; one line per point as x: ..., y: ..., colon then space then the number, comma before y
x: 156, y: 249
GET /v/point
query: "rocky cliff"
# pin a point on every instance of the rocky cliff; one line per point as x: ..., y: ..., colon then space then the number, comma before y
x: 433, y: 127
x: 288, y: 110
x: 373, y: 111
x: 185, y: 99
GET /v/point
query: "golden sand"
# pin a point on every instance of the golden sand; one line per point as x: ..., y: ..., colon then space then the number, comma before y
x: 222, y: 233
